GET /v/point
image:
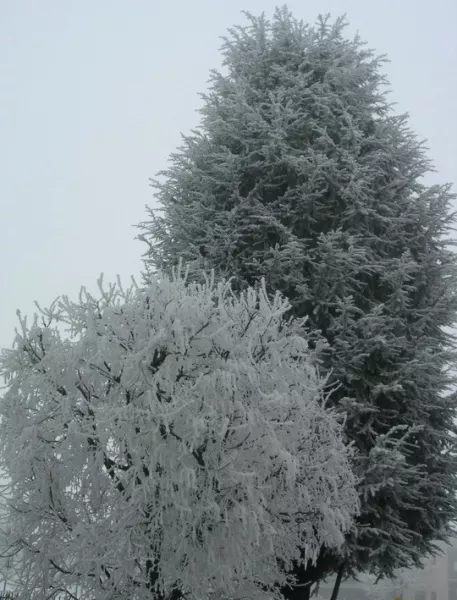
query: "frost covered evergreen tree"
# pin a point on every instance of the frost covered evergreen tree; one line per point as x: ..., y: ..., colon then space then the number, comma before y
x: 173, y: 441
x: 301, y: 173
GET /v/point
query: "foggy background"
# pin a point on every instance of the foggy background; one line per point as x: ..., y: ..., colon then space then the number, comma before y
x: 94, y: 95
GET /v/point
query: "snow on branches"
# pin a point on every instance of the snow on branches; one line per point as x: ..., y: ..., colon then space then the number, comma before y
x: 174, y: 441
x: 300, y: 172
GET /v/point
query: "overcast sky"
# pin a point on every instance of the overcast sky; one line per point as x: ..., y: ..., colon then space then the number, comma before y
x: 94, y: 95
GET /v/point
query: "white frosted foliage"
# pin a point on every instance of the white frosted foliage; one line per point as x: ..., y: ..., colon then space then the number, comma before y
x: 174, y: 440
x: 301, y: 172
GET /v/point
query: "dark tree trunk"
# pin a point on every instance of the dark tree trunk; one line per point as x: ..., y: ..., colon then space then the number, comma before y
x: 339, y: 579
x: 308, y: 574
x: 298, y: 592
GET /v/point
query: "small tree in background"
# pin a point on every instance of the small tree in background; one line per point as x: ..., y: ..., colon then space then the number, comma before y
x: 301, y: 173
x: 173, y: 441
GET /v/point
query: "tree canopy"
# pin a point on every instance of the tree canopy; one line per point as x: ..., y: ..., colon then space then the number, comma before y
x: 301, y: 173
x: 168, y: 441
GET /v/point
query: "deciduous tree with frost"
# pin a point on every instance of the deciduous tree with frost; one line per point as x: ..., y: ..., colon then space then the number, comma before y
x: 168, y: 442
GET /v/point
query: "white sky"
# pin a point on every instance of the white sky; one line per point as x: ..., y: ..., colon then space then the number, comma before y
x: 94, y: 95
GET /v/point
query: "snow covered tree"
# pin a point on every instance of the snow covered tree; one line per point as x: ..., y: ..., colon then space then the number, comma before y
x: 301, y: 173
x: 168, y: 442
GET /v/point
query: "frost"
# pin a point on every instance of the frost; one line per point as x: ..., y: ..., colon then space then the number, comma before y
x: 174, y: 437
x: 301, y: 174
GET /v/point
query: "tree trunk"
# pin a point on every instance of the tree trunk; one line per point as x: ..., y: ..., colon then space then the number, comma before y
x: 299, y: 592
x: 308, y: 575
x: 339, y: 578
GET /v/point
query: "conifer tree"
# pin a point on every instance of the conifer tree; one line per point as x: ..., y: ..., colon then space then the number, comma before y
x: 301, y: 172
